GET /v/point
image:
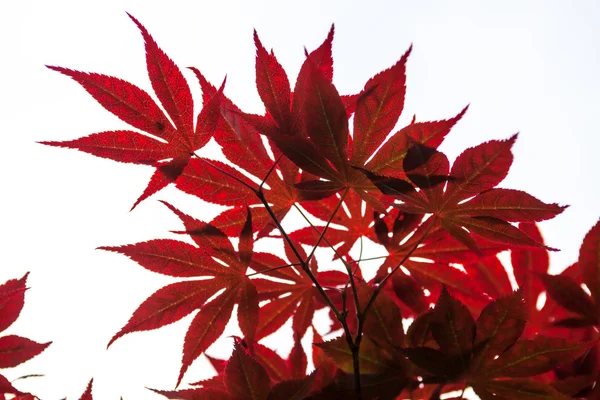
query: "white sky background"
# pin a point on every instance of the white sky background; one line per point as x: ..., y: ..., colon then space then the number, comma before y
x: 528, y: 67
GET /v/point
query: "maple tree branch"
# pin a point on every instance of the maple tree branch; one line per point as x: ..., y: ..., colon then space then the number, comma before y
x: 354, y: 346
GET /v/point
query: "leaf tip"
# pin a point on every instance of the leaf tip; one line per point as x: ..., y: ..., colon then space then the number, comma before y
x: 407, y: 53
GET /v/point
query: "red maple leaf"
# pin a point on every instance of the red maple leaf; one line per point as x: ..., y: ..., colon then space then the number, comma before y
x: 464, y: 199
x: 14, y: 350
x: 177, y: 300
x: 162, y: 140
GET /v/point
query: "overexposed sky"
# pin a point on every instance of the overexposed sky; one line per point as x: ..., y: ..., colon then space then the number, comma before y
x: 524, y: 66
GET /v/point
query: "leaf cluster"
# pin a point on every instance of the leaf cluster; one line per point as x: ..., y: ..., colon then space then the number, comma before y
x: 339, y: 162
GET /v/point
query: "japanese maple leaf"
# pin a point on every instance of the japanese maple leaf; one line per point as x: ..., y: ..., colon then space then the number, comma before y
x: 14, y: 350
x: 310, y: 124
x: 566, y: 290
x: 162, y: 140
x: 469, y: 203
x: 244, y: 378
x: 278, y: 368
x: 451, y: 346
x: 242, y: 145
x: 177, y: 300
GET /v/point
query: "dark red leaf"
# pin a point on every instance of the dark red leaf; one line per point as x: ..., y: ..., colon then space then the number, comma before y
x: 453, y: 327
x: 296, y: 389
x: 15, y: 350
x: 371, y: 358
x: 517, y: 389
x: 569, y: 294
x: 499, y: 326
x: 245, y: 378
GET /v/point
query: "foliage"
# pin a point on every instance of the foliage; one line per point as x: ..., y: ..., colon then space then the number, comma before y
x: 441, y: 226
x: 14, y: 350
